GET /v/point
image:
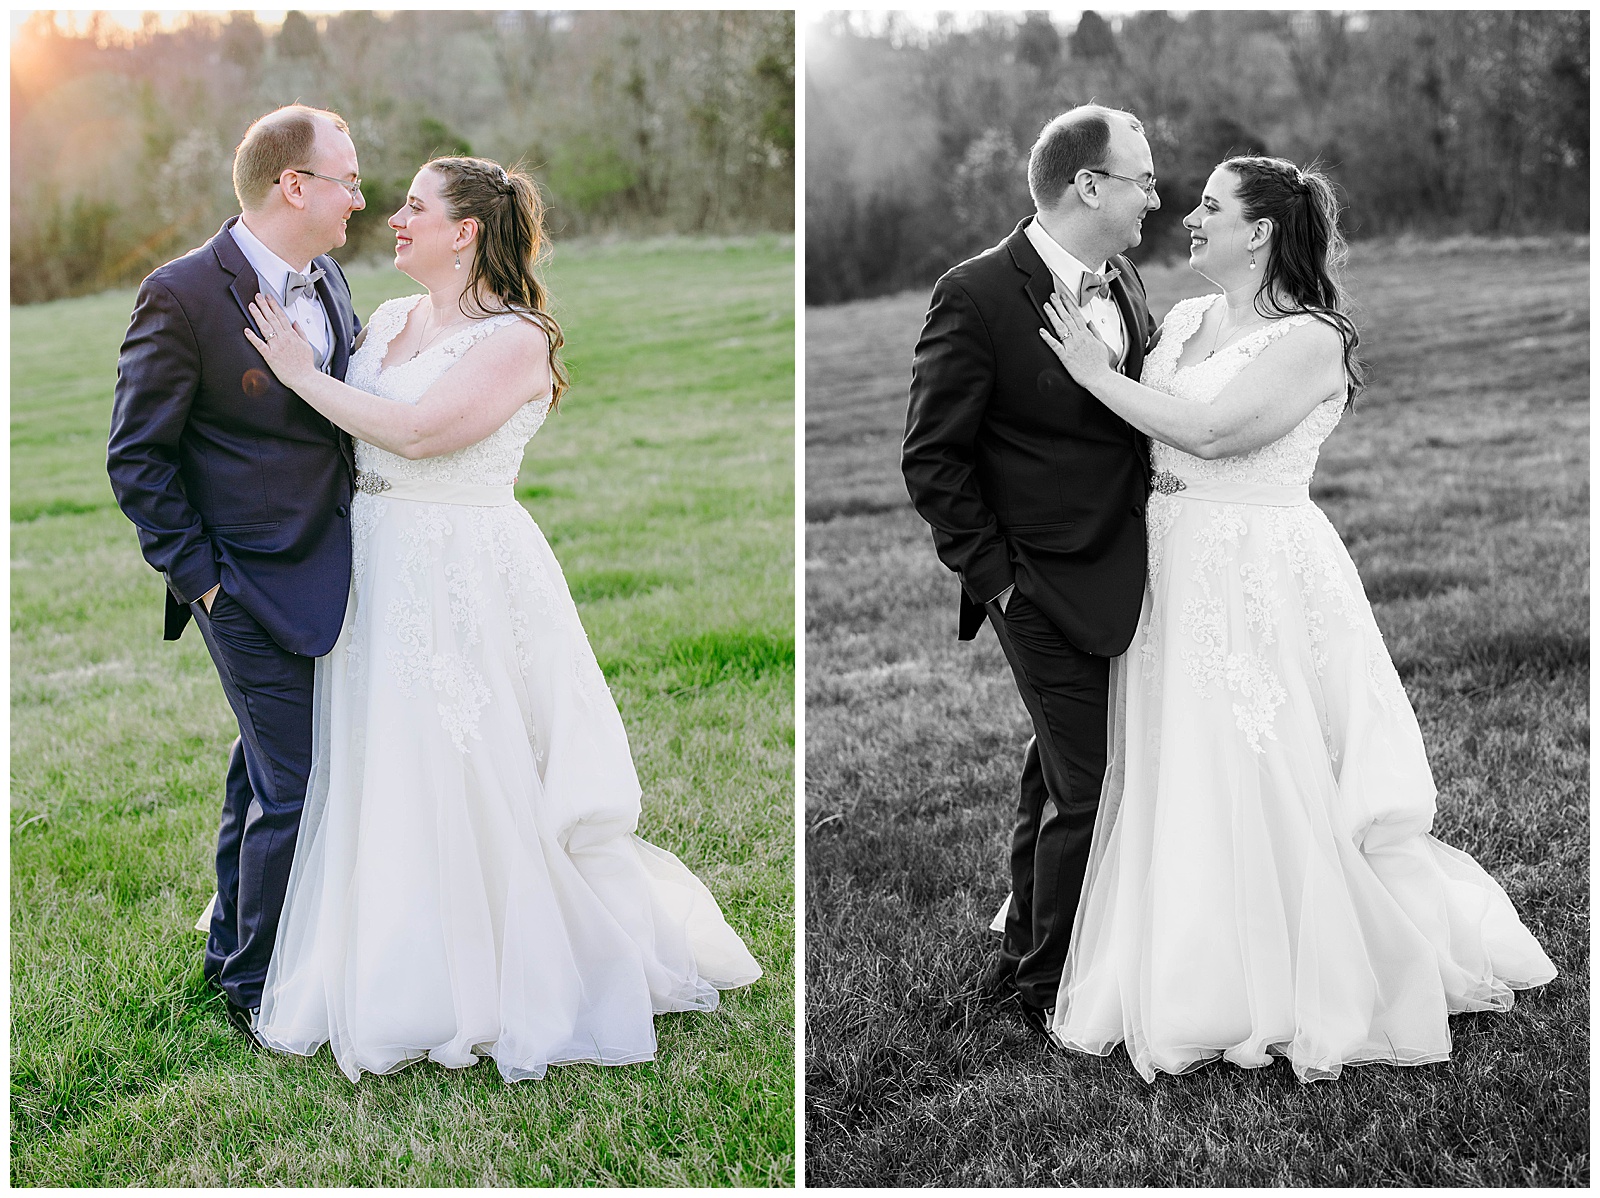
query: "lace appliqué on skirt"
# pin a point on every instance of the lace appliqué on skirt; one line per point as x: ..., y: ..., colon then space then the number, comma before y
x: 1261, y: 882
x: 467, y: 881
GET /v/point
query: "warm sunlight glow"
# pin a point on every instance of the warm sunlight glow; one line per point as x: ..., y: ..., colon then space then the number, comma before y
x: 77, y: 22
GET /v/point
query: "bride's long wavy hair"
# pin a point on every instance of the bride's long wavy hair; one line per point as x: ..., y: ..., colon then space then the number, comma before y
x: 511, y: 246
x: 1307, y: 251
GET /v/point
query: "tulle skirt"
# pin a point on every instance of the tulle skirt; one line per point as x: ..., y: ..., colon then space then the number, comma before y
x: 467, y: 881
x: 1262, y: 881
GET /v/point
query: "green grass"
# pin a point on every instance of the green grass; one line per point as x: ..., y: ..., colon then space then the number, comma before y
x: 1461, y: 487
x: 665, y: 485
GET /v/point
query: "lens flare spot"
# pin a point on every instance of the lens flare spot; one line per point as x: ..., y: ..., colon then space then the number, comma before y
x: 255, y: 382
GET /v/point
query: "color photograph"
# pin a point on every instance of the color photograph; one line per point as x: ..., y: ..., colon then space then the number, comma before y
x: 402, y: 592
x: 1197, y: 598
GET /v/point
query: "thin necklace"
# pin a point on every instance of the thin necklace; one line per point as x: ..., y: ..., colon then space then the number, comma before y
x: 1232, y: 337
x: 437, y: 332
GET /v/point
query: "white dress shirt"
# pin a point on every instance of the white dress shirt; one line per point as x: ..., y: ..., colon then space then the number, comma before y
x: 273, y: 274
x: 1101, y: 312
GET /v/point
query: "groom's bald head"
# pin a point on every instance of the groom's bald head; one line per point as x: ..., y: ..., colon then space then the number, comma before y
x: 1078, y: 139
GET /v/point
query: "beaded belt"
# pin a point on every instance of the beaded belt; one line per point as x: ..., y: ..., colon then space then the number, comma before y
x: 1223, y: 491
x: 420, y: 490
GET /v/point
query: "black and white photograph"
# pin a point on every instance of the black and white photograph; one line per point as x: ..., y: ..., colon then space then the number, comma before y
x: 1196, y: 598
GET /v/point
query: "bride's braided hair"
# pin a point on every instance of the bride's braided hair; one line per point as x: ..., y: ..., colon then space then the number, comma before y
x: 1306, y: 251
x: 511, y: 244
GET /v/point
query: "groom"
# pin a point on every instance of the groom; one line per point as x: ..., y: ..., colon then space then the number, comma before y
x: 241, y: 495
x: 1036, y: 495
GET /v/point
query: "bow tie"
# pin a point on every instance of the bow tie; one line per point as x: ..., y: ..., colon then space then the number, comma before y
x: 1093, y: 285
x: 301, y: 286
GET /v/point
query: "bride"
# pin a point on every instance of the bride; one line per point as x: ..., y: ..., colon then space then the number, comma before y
x: 1262, y: 882
x: 466, y: 880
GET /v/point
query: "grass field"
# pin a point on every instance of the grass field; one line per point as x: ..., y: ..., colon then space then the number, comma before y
x: 1461, y: 488
x: 665, y: 485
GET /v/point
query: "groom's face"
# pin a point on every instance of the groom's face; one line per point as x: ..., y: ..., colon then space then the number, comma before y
x: 1124, y: 204
x: 328, y: 205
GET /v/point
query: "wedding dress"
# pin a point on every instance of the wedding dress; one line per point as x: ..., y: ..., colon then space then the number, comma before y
x: 1261, y: 881
x: 466, y: 880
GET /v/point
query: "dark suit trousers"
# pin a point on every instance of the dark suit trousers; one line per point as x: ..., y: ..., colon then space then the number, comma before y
x: 1065, y: 691
x: 270, y: 691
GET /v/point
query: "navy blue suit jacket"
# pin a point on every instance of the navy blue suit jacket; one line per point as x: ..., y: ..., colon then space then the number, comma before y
x: 228, y: 475
x: 1024, y: 476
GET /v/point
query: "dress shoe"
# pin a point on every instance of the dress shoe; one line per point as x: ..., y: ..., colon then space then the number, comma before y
x: 998, y: 983
x: 242, y: 1018
x: 1037, y: 1018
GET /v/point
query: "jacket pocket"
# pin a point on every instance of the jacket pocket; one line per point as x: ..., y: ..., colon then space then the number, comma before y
x: 234, y: 530
x: 1034, y: 529
x: 1038, y: 541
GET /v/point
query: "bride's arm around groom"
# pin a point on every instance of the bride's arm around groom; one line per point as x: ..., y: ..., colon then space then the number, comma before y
x: 479, y: 394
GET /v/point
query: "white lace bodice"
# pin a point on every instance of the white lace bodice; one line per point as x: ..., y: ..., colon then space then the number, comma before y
x: 1290, y: 459
x: 495, y: 459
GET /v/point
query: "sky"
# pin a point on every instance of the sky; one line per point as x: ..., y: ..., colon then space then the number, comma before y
x: 928, y: 18
x: 67, y: 19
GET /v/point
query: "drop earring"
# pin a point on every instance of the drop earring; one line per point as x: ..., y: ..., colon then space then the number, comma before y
x: 1252, y: 260
x: 458, y: 261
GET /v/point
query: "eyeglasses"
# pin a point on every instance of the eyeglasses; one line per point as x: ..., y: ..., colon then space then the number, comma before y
x: 353, y: 188
x: 1149, y: 188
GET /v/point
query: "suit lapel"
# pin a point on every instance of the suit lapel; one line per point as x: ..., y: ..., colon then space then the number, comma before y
x: 1132, y: 328
x: 1040, y: 283
x: 1133, y: 360
x: 338, y: 309
x: 244, y: 286
x: 231, y: 258
x: 338, y: 318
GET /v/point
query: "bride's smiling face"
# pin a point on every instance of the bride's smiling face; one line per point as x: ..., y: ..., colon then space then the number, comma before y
x: 426, y: 239
x: 1219, y: 236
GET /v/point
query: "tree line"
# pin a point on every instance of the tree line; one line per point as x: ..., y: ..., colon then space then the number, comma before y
x: 1430, y: 123
x: 633, y: 123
